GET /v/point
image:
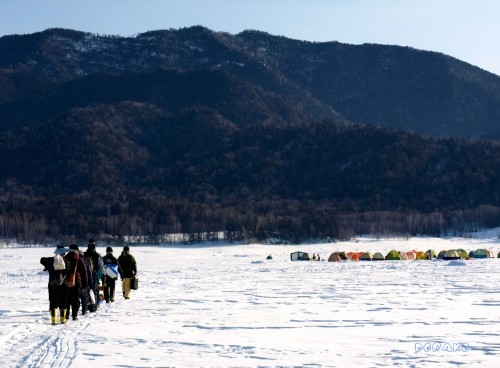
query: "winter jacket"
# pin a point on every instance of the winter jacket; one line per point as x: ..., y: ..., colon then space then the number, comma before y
x: 109, y: 258
x: 97, y: 262
x: 126, y: 265
x: 81, y: 273
x: 72, y: 258
x: 81, y: 270
x: 86, y: 282
x: 56, y: 277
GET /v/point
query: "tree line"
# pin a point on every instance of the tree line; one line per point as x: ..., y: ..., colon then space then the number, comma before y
x: 130, y: 169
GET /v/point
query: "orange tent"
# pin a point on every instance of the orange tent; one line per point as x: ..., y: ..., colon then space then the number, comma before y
x: 420, y: 255
x: 353, y: 256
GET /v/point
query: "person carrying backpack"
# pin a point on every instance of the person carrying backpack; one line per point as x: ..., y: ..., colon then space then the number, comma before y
x: 111, y: 267
x: 128, y: 269
x: 97, y: 266
x: 57, y: 268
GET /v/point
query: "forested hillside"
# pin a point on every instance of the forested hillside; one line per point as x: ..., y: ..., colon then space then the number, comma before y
x: 196, y: 171
x: 198, y: 132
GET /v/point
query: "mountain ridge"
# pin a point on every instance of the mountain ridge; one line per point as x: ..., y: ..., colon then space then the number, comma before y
x: 427, y: 92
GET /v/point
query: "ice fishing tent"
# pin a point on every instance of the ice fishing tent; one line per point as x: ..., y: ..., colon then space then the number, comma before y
x: 343, y: 256
x: 393, y: 255
x: 334, y: 257
x: 300, y: 256
x: 451, y: 254
x: 403, y: 256
x: 379, y: 257
x: 463, y: 253
x: 337, y: 257
x: 411, y: 255
x: 431, y: 254
x: 367, y: 256
x: 353, y: 256
x: 420, y: 255
x: 441, y: 254
x: 480, y: 253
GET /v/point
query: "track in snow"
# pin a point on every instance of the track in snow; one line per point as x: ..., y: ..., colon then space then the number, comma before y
x: 48, y: 346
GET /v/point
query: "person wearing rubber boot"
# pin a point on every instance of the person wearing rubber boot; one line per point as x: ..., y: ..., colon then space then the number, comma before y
x: 57, y: 268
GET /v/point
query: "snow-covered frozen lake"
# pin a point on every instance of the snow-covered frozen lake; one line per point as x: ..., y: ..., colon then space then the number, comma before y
x: 227, y: 306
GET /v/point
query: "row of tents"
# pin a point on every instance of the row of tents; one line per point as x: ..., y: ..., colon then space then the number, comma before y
x: 395, y: 255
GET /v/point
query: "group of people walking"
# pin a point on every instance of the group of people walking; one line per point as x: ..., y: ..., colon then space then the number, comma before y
x: 75, y: 277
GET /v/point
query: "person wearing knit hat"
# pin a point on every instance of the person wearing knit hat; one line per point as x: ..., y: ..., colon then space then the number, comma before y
x: 127, y: 268
x: 60, y: 249
x: 111, y: 270
x: 91, y: 244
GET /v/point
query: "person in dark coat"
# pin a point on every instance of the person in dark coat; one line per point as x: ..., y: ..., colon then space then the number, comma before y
x: 85, y: 287
x: 78, y: 268
x: 57, y: 285
x: 97, y: 266
x: 127, y: 268
x: 109, y: 281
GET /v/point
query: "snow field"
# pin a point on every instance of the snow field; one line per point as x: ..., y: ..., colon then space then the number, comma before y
x: 227, y: 306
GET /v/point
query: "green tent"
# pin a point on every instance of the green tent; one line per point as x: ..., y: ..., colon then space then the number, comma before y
x: 451, y: 254
x: 441, y: 254
x: 463, y: 253
x: 367, y: 256
x: 379, y: 257
x: 393, y: 255
x: 480, y: 253
x: 431, y: 254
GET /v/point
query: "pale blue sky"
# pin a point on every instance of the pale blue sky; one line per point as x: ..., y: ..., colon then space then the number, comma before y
x: 466, y: 29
